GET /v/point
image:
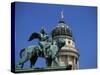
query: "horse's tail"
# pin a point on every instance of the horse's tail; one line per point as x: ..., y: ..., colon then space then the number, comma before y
x: 21, y: 52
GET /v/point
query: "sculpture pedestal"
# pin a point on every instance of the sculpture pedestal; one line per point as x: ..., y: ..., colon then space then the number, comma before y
x: 43, y: 69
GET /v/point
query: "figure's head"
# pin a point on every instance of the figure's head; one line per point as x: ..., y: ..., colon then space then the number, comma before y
x: 42, y: 30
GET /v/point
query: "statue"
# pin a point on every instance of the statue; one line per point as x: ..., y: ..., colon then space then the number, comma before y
x: 43, y: 39
x: 46, y: 49
x: 30, y: 53
x: 52, y: 52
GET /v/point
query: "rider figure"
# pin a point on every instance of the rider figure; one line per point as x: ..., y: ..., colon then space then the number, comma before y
x: 44, y: 45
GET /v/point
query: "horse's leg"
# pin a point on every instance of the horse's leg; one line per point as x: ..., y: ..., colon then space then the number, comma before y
x: 55, y: 62
x: 22, y: 65
x: 23, y: 59
x: 48, y: 62
x: 33, y: 60
x: 30, y: 64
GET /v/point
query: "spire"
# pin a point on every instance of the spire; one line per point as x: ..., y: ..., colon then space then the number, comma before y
x: 62, y: 17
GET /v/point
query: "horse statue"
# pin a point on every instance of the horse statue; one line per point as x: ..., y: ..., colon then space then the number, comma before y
x: 33, y: 52
x: 30, y: 53
x: 45, y: 49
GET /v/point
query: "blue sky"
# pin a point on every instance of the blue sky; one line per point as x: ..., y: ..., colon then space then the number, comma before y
x: 29, y: 17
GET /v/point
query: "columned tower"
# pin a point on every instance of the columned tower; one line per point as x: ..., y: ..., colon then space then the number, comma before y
x: 69, y: 54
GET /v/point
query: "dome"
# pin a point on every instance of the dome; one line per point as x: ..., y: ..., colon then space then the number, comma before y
x: 61, y: 30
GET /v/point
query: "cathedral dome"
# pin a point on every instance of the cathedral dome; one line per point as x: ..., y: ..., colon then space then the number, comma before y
x: 61, y: 29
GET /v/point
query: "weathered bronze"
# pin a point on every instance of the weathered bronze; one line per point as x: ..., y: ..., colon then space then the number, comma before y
x: 45, y: 48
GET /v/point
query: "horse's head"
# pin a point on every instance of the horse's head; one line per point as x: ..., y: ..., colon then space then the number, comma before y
x: 60, y: 42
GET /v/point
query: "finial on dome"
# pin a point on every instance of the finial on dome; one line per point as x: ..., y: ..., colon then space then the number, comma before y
x: 62, y: 17
x: 62, y: 14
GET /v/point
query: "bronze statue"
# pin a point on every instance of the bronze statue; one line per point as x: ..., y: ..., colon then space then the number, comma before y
x: 43, y: 39
x: 46, y: 49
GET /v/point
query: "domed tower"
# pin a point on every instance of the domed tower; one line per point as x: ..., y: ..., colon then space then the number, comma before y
x: 68, y: 55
